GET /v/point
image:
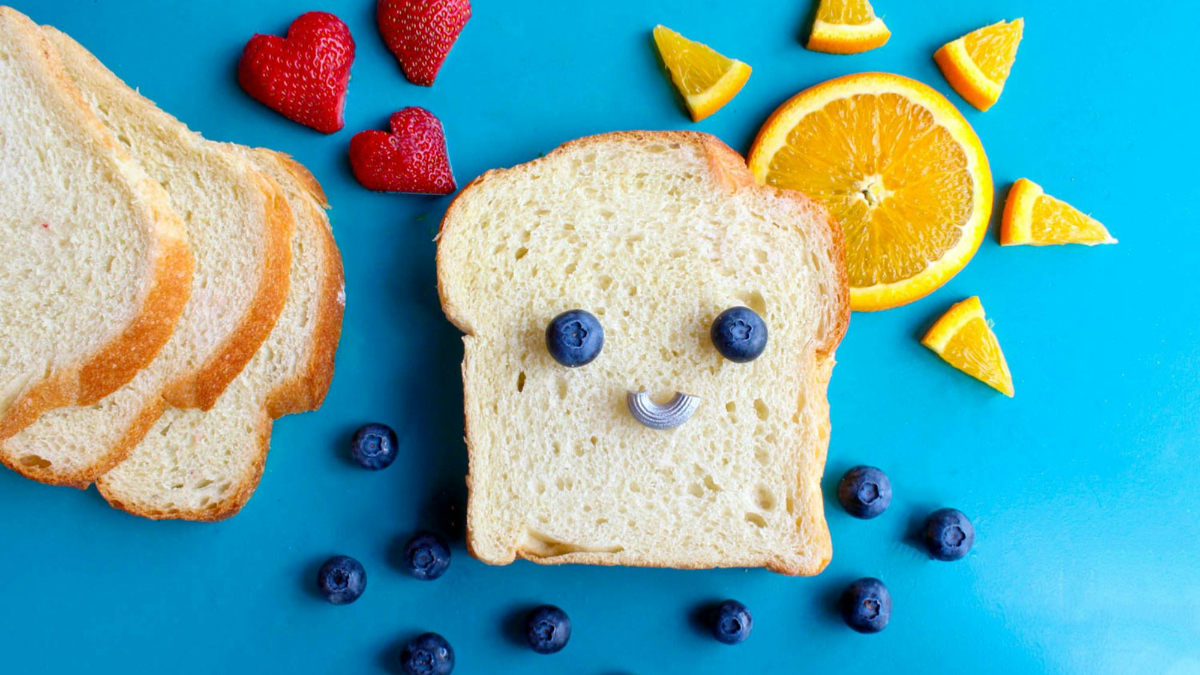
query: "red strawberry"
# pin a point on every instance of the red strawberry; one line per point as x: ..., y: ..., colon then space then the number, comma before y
x: 412, y: 158
x: 304, y: 75
x: 421, y: 32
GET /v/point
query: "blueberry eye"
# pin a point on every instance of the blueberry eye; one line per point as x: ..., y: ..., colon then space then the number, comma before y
x: 739, y: 334
x: 574, y: 338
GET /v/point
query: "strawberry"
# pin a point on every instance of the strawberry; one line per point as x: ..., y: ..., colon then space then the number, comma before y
x: 412, y: 158
x: 304, y: 75
x: 421, y: 32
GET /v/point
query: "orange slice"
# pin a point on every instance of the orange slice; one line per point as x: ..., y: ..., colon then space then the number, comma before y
x: 898, y: 166
x: 1033, y: 217
x: 978, y: 64
x: 706, y: 79
x: 965, y: 340
x: 847, y: 27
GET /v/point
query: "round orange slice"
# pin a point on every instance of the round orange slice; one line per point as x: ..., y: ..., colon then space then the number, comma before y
x: 963, y: 338
x: 706, y: 78
x: 898, y: 166
x: 1033, y: 217
x: 847, y: 27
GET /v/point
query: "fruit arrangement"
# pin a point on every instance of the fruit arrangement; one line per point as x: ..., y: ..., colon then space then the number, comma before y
x: 894, y: 161
x: 305, y: 77
x: 907, y: 234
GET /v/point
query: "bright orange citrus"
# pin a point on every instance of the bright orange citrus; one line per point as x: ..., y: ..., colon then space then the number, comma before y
x: 847, y: 27
x: 1033, y: 217
x: 898, y: 166
x: 706, y: 79
x: 977, y: 64
x: 965, y: 340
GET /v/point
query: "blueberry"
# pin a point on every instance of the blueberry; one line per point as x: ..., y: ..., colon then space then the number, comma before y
x: 865, y: 492
x: 547, y: 629
x: 374, y: 446
x: 731, y: 622
x: 574, y: 338
x: 739, y: 334
x: 426, y: 556
x: 427, y: 654
x: 866, y: 605
x: 342, y: 579
x: 948, y: 534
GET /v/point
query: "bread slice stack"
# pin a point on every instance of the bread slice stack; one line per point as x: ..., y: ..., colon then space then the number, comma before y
x: 655, y: 234
x: 94, y: 263
x: 184, y: 434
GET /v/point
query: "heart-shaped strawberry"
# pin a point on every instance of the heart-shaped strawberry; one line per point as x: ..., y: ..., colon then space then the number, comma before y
x: 412, y: 158
x: 304, y: 75
x: 421, y: 32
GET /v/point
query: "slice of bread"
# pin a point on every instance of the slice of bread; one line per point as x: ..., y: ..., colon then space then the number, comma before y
x: 655, y: 234
x: 94, y: 263
x: 240, y: 227
x: 204, y: 465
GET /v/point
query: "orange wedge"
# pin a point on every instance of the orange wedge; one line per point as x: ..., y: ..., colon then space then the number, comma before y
x: 978, y: 64
x: 847, y: 27
x: 898, y: 166
x: 706, y: 79
x: 965, y: 340
x: 1033, y: 217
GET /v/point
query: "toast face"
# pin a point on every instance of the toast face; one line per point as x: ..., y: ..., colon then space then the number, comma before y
x: 239, y: 227
x: 95, y: 263
x: 655, y: 234
x: 205, y: 465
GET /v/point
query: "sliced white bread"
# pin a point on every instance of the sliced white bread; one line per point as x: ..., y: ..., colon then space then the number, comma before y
x: 240, y: 228
x: 205, y: 465
x: 94, y: 263
x: 655, y: 234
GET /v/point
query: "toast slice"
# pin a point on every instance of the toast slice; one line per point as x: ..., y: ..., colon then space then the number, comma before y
x: 655, y: 234
x: 205, y: 465
x: 94, y: 263
x: 240, y: 227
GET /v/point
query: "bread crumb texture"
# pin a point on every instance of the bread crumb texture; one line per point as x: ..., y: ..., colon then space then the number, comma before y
x: 238, y: 283
x: 205, y: 465
x: 94, y: 264
x: 655, y: 234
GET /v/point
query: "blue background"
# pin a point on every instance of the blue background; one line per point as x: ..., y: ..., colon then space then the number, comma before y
x: 1083, y: 488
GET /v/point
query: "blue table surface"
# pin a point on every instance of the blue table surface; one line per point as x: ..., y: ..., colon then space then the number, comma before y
x: 1083, y: 488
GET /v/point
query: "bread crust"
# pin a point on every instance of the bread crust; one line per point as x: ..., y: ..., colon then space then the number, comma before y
x: 301, y: 175
x: 304, y: 391
x: 145, y: 419
x: 168, y: 286
x: 200, y: 389
x: 227, y: 508
x: 732, y: 174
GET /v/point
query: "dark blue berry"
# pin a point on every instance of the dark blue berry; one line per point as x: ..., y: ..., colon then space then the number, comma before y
x: 948, y: 534
x: 731, y: 622
x: 374, y: 446
x: 547, y: 629
x: 426, y: 556
x: 427, y: 654
x: 865, y: 492
x: 342, y: 579
x: 739, y: 334
x: 574, y: 338
x: 866, y: 605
